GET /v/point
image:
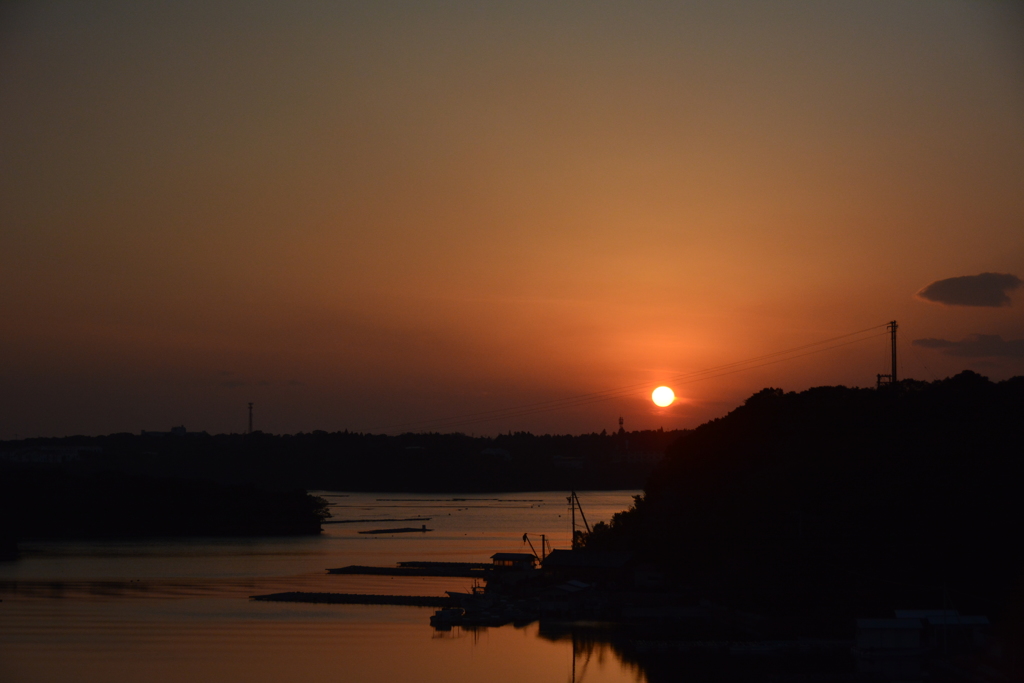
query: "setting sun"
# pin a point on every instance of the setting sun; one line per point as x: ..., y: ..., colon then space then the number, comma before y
x: 663, y: 396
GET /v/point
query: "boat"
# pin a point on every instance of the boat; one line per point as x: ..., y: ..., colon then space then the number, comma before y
x: 446, y: 617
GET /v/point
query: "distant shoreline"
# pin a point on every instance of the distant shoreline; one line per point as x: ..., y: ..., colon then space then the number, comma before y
x: 52, y: 504
x: 347, y: 461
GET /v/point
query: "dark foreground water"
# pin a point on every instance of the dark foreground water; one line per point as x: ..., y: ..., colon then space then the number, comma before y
x: 179, y: 610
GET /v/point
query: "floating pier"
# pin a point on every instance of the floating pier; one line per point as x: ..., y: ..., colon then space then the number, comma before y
x: 378, y: 521
x: 441, y: 565
x: 357, y: 599
x: 401, y: 530
x: 468, y: 570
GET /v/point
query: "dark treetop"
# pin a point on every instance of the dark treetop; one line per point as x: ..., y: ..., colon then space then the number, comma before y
x: 835, y: 503
x: 369, y: 462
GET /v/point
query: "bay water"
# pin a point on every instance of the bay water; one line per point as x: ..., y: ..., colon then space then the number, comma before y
x: 180, y: 609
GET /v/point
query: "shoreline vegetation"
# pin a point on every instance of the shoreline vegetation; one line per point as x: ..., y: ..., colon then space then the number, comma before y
x: 55, y: 504
x: 834, y: 502
x: 350, y: 461
x: 193, y: 484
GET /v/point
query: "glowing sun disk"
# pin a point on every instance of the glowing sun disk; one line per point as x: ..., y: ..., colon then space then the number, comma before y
x: 663, y: 396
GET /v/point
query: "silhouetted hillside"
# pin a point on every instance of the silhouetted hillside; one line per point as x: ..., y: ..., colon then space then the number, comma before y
x: 833, y: 503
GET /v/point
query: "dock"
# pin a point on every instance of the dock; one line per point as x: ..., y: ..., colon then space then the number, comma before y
x: 465, y: 570
x: 357, y: 599
x: 377, y: 521
x: 400, y: 530
x: 441, y: 565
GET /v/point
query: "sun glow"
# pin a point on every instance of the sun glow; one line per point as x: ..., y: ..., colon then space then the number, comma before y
x: 663, y: 396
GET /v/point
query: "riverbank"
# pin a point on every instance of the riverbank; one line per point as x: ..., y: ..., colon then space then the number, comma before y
x: 50, y: 503
x: 171, y: 609
x: 420, y: 463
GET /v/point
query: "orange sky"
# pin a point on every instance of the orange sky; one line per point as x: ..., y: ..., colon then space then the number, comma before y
x: 365, y: 215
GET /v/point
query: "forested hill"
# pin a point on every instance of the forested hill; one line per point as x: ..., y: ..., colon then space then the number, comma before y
x: 366, y: 462
x: 836, y: 502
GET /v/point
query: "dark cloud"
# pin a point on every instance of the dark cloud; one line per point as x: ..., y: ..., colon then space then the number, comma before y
x: 976, y: 346
x: 987, y: 289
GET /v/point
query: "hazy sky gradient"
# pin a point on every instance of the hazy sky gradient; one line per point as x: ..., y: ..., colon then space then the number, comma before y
x: 359, y: 215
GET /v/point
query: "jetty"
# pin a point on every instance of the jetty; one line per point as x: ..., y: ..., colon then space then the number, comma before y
x: 467, y: 570
x: 357, y: 599
x: 400, y: 530
x: 377, y: 521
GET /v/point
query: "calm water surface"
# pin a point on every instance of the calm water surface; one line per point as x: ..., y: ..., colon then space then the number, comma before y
x: 179, y: 610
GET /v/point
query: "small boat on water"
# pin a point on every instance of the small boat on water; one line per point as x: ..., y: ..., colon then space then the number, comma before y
x: 476, y: 592
x: 446, y: 617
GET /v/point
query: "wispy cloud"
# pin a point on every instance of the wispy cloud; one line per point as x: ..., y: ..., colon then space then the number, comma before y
x: 976, y: 346
x: 986, y: 289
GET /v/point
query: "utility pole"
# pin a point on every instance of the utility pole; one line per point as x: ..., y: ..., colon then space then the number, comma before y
x: 890, y: 378
x: 250, y: 417
x: 892, y: 329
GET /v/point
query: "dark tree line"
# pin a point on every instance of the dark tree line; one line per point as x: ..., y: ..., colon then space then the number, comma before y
x: 371, y: 462
x: 835, y: 503
x: 46, y: 503
x: 180, y: 484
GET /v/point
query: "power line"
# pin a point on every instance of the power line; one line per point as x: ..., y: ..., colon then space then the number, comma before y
x: 615, y: 393
x: 624, y: 392
x: 620, y: 392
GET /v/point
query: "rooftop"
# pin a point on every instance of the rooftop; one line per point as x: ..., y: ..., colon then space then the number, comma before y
x: 586, y: 560
x: 513, y: 557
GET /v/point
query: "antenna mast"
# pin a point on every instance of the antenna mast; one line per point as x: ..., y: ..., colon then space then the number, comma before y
x: 250, y: 417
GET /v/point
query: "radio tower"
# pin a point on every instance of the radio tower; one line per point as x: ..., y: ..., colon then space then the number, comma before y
x: 890, y: 378
x: 250, y: 417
